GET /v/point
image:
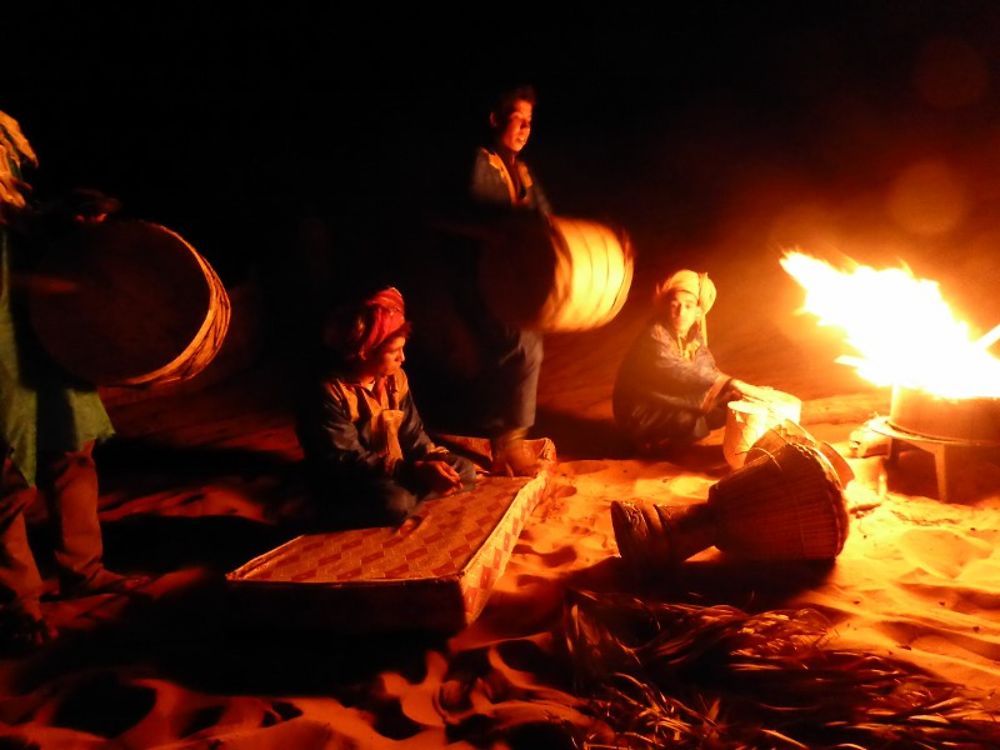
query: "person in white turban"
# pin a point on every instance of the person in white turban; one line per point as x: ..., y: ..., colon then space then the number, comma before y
x: 669, y: 389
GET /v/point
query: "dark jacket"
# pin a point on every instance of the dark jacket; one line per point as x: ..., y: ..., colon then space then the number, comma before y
x: 348, y: 432
x: 493, y: 184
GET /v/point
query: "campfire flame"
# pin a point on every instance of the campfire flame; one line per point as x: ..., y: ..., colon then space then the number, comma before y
x: 903, y: 331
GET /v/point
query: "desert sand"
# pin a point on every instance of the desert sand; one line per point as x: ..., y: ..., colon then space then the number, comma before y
x: 203, y: 478
x: 198, y: 480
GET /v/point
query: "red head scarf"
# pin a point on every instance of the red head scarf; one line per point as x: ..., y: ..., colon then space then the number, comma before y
x: 355, y: 332
x: 384, y: 314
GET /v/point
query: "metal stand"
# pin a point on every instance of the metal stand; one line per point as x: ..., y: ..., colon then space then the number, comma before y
x: 944, y: 451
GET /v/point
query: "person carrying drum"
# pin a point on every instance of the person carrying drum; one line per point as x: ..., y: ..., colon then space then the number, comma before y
x: 49, y: 424
x: 369, y: 459
x: 512, y: 357
x: 668, y: 389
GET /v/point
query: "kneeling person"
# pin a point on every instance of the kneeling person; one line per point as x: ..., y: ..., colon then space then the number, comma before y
x: 369, y: 458
x: 669, y: 389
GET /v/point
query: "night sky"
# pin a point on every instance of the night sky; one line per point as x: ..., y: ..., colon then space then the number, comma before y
x: 232, y: 125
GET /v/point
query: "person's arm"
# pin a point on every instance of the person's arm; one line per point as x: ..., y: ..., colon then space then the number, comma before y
x: 413, y: 438
x: 679, y: 374
x: 757, y: 392
x: 697, y: 380
x: 332, y: 441
x: 486, y: 185
x: 421, y: 458
x: 539, y: 201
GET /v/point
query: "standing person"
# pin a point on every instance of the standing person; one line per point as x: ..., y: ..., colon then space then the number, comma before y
x: 512, y: 357
x: 369, y: 459
x: 500, y: 176
x: 49, y: 423
x: 669, y: 389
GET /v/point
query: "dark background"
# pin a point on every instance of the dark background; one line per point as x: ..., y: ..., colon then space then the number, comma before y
x: 231, y: 126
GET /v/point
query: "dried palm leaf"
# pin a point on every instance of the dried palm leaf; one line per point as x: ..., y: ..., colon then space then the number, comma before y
x: 681, y: 675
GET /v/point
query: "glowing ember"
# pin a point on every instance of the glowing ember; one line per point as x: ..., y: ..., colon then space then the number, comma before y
x: 902, y: 329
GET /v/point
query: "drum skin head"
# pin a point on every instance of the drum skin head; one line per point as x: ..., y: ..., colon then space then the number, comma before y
x: 136, y: 297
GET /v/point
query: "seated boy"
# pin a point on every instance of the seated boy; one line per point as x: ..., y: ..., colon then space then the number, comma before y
x: 370, y: 462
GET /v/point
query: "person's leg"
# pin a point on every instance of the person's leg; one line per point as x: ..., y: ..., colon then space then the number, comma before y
x: 69, y: 481
x: 357, y: 502
x: 22, y: 625
x: 511, y: 400
x: 651, y: 427
x: 20, y: 582
x: 392, y: 502
x: 512, y: 390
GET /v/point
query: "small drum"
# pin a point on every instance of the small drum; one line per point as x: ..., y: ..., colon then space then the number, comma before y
x: 748, y: 419
x: 135, y: 305
x: 555, y: 275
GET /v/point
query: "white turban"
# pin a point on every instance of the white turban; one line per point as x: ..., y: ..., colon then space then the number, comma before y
x: 697, y: 284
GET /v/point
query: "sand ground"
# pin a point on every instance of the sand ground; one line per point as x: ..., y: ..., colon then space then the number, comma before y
x: 194, y: 485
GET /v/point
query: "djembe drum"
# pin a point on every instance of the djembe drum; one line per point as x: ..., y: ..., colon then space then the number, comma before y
x: 788, y: 432
x: 785, y: 506
x: 556, y: 274
x: 748, y: 419
x: 134, y: 304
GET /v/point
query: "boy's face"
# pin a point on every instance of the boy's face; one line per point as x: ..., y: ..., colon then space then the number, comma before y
x: 390, y: 358
x: 514, y: 133
x: 684, y: 311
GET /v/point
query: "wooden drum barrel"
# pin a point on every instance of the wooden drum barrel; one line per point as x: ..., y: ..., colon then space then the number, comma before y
x: 135, y: 305
x: 556, y: 275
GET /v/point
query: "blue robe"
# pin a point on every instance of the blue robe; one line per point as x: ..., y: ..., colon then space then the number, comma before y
x: 667, y: 390
x: 360, y: 446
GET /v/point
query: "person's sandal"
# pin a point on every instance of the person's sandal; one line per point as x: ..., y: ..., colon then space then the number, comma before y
x: 512, y: 457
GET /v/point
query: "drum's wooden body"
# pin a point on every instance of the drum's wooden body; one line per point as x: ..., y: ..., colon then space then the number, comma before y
x: 135, y: 305
x: 785, y: 506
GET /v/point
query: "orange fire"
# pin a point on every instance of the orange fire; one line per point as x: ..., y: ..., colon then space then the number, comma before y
x: 903, y: 331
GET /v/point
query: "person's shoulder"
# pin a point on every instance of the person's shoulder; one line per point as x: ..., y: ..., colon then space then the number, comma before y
x: 487, y: 158
x: 658, y: 332
x: 332, y: 386
x: 662, y: 339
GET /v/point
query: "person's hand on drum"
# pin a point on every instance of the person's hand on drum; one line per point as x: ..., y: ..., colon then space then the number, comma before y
x: 753, y: 392
x: 438, y: 476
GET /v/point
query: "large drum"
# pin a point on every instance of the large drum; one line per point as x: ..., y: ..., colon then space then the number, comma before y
x: 556, y: 275
x: 784, y: 506
x: 129, y: 303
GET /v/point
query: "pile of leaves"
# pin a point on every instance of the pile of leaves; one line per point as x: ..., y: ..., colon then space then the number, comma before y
x: 688, y: 676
